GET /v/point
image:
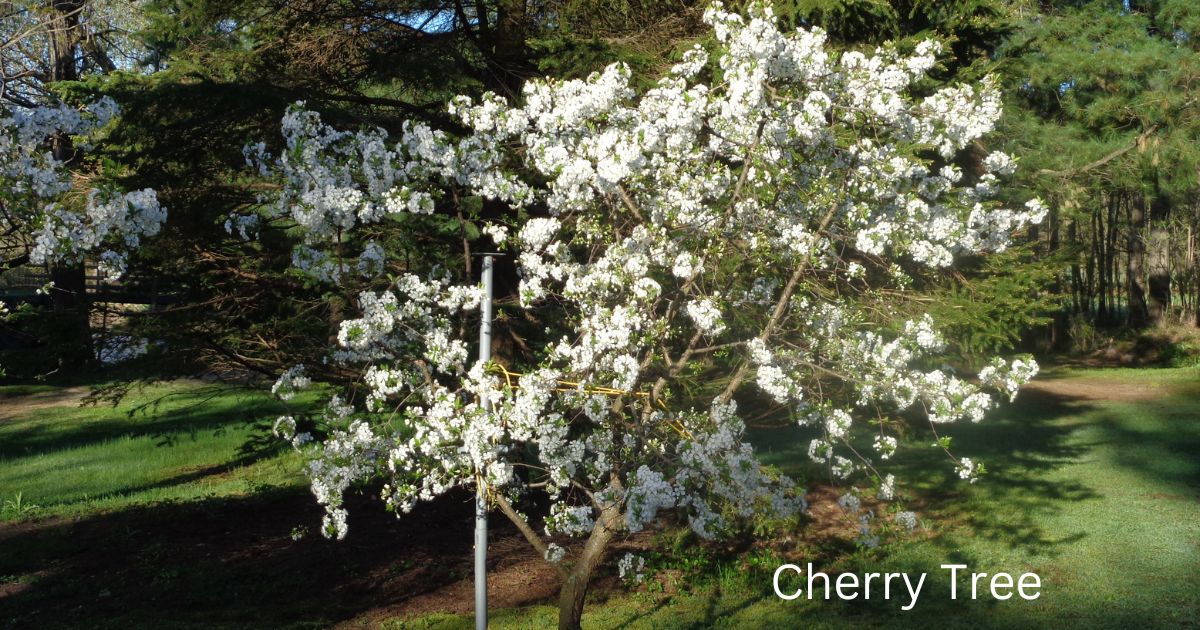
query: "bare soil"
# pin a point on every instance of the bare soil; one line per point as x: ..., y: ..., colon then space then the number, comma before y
x: 15, y: 407
x: 233, y: 561
x: 1096, y: 389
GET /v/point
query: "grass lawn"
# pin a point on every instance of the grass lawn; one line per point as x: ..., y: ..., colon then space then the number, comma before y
x: 1094, y: 484
x: 168, y: 511
x: 168, y: 441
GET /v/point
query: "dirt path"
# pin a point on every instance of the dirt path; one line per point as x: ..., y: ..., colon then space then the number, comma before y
x: 21, y: 406
x: 1095, y: 389
x: 14, y: 407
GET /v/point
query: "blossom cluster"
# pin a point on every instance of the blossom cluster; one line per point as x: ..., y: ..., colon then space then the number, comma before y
x: 39, y: 206
x: 630, y: 568
x: 119, y: 220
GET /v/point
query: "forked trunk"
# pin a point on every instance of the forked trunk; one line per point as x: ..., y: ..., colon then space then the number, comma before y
x: 574, y: 588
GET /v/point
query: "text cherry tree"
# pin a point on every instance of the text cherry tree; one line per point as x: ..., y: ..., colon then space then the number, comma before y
x: 761, y: 203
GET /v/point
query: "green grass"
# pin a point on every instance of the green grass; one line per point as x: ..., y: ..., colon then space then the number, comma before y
x: 1101, y: 499
x: 179, y: 516
x: 179, y: 440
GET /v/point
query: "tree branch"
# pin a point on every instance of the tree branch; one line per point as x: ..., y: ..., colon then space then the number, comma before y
x: 1104, y: 160
x: 528, y: 532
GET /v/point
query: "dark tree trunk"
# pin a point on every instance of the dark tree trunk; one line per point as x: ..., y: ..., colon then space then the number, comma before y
x: 64, y: 40
x: 1159, y: 284
x: 1138, y: 315
x: 69, y: 298
x: 1078, y: 286
x: 72, y: 309
x: 1194, y: 261
x: 1058, y: 327
x: 1100, y: 249
x: 1112, y: 258
x: 505, y: 47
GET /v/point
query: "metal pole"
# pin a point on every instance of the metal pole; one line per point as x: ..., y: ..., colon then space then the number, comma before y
x: 481, y: 524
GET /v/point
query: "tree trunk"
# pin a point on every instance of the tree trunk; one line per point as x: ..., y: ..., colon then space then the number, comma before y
x: 1138, y: 315
x: 1159, y: 284
x: 1059, y: 325
x: 64, y: 40
x: 574, y: 588
x: 1193, y: 260
x: 1078, y: 288
x: 1100, y: 246
x: 69, y: 299
x: 1112, y: 257
x: 508, y: 57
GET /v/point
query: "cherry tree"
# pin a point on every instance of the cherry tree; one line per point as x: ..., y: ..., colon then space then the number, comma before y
x: 44, y: 215
x: 53, y: 215
x: 761, y: 202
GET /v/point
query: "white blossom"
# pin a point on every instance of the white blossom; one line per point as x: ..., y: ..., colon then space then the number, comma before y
x: 907, y: 520
x: 706, y: 316
x: 850, y: 503
x: 966, y: 469
x: 630, y: 567
x: 498, y: 233
x: 885, y: 445
x: 555, y: 554
x: 290, y: 382
x: 887, y: 488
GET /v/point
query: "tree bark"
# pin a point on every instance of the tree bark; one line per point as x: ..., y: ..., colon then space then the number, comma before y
x: 507, y: 53
x: 1059, y: 325
x: 69, y: 298
x: 1159, y: 283
x: 574, y: 588
x: 1101, y: 252
x: 64, y: 40
x: 1081, y: 307
x: 1138, y: 315
x: 1112, y: 257
x: 1193, y: 260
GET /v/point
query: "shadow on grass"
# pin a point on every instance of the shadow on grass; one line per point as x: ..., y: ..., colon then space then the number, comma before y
x: 1021, y: 445
x: 752, y: 604
x: 1026, y: 446
x: 1161, y: 443
x: 211, y: 408
x: 245, y: 458
x: 229, y: 562
x: 232, y: 562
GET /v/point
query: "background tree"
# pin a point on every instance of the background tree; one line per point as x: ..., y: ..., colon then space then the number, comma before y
x: 1103, y: 114
x: 45, y: 47
x: 223, y: 74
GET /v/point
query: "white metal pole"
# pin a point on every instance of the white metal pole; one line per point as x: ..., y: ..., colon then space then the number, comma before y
x: 481, y: 524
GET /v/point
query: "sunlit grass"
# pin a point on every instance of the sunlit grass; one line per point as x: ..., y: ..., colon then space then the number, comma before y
x: 179, y: 440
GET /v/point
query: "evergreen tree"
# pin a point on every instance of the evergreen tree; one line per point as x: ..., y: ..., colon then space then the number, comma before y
x: 1104, y: 119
